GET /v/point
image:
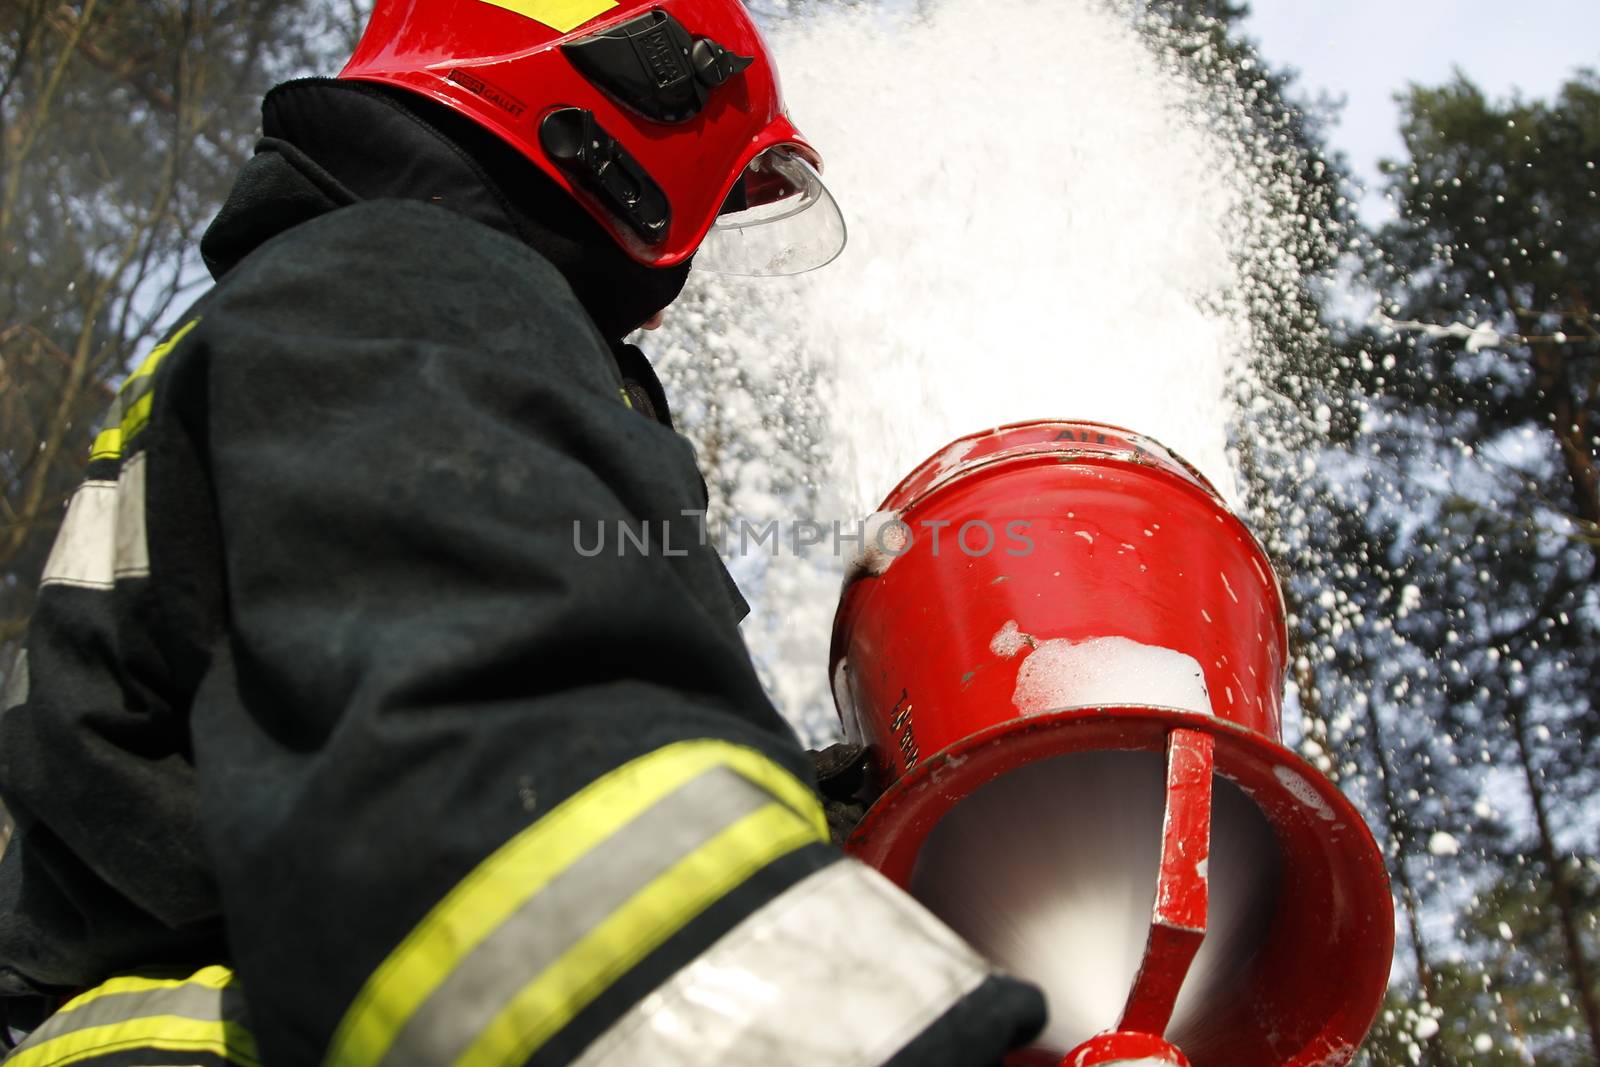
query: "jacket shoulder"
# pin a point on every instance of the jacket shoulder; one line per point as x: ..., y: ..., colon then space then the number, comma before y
x: 403, y: 268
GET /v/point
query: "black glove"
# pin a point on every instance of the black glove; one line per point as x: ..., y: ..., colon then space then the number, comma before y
x: 844, y: 785
x: 20, y: 1016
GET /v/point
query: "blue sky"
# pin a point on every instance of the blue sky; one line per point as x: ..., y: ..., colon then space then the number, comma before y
x: 1368, y: 50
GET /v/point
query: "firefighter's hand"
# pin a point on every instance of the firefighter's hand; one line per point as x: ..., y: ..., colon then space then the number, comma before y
x: 842, y: 781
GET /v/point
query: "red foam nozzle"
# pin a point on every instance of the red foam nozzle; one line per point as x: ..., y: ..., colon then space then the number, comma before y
x: 1125, y: 1048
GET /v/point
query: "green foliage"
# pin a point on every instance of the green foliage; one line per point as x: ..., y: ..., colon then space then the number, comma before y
x: 1496, y: 1002
x: 1433, y: 506
x: 1500, y: 215
x: 1477, y: 489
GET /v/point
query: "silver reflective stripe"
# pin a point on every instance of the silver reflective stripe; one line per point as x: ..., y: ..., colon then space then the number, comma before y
x: 567, y: 910
x: 186, y: 1001
x: 85, y: 550
x: 103, y: 537
x: 843, y: 969
x: 16, y: 691
x: 132, y: 558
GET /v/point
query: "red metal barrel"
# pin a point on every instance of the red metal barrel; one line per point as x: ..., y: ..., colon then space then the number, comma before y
x: 1050, y: 588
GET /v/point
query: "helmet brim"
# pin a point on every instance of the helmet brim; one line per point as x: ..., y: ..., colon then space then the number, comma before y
x: 779, y: 220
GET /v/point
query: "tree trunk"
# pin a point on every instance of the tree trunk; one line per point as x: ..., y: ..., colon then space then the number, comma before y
x: 1570, y: 422
x: 1560, y: 892
x: 1401, y: 834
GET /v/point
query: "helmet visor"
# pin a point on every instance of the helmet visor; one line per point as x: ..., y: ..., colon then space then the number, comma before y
x: 778, y: 219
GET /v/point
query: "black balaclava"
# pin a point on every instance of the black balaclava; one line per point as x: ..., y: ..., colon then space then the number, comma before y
x: 379, y: 142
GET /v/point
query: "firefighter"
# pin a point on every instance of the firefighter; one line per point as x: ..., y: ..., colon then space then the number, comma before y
x: 321, y: 703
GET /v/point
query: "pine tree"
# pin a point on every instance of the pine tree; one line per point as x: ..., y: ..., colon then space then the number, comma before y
x: 1488, y: 421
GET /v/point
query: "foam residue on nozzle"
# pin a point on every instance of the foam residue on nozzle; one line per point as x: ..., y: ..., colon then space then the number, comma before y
x: 1106, y: 671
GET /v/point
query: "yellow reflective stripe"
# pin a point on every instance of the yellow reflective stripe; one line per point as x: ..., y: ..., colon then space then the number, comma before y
x: 170, y: 1012
x: 519, y: 869
x: 213, y: 977
x: 626, y: 399
x: 169, y: 1033
x: 774, y: 779
x: 138, y: 413
x: 134, y: 419
x: 159, y: 353
x: 550, y: 1001
x: 560, y: 15
x: 107, y: 444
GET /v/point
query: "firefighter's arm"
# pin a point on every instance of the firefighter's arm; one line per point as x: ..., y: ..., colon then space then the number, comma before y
x: 476, y: 790
x: 104, y: 868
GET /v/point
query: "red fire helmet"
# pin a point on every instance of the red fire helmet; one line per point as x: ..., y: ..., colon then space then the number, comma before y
x: 663, y: 118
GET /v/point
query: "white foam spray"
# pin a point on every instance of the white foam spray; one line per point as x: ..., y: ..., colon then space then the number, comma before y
x: 1038, y: 228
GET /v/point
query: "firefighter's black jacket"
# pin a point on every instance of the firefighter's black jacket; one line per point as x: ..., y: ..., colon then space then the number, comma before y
x: 317, y: 650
